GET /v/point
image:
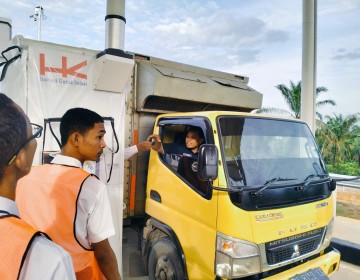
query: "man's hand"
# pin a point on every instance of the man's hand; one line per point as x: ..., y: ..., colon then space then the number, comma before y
x: 144, y: 146
x: 156, y: 143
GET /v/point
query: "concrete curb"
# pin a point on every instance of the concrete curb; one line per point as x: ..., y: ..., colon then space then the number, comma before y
x: 350, y: 252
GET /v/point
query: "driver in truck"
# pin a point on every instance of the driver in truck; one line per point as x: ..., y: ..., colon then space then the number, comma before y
x: 188, y: 152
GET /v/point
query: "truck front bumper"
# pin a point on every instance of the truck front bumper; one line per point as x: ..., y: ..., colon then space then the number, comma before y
x: 328, y: 262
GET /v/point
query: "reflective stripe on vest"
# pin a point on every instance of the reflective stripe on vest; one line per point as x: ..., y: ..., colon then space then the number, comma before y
x: 47, y: 200
x: 16, y: 237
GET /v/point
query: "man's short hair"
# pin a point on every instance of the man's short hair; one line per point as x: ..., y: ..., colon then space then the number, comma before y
x: 77, y: 120
x: 196, y: 129
x: 13, y: 130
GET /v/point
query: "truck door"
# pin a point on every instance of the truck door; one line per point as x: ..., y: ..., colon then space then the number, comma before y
x: 187, y: 206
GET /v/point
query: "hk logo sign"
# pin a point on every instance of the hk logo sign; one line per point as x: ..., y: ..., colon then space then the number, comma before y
x: 65, y: 70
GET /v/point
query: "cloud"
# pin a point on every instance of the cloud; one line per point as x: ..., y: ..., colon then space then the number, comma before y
x: 208, y: 33
x: 275, y: 36
x: 343, y: 54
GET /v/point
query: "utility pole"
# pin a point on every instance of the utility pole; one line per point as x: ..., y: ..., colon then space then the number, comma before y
x: 308, y: 83
x: 38, y: 16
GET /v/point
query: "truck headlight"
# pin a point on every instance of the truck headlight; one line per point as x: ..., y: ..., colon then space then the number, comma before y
x: 235, y: 257
x: 328, y: 234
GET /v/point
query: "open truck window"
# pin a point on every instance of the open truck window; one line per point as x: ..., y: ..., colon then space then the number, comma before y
x: 171, y: 136
x: 178, y: 157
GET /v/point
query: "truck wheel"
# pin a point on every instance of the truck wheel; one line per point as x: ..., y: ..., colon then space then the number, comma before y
x: 164, y: 262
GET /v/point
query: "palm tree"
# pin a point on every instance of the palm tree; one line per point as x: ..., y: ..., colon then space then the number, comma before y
x: 292, y: 97
x: 337, y: 138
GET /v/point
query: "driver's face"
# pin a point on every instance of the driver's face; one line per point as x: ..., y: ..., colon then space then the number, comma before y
x: 193, y: 140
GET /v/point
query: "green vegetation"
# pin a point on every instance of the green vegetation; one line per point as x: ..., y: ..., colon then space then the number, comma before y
x: 338, y: 140
x: 347, y: 168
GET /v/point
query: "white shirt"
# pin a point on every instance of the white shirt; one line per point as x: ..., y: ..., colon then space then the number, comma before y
x: 130, y: 151
x: 93, y: 221
x: 45, y: 259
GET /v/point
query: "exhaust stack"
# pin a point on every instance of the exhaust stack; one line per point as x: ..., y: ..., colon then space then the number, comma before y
x: 115, y: 25
x: 113, y: 66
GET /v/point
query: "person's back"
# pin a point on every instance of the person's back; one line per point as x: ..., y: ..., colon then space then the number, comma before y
x: 26, y: 253
x: 72, y: 206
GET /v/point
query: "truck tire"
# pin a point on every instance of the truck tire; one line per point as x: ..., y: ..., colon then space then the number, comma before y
x: 164, y: 262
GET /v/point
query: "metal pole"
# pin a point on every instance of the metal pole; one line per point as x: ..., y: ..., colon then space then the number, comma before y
x: 308, y: 85
x: 39, y: 22
x: 38, y: 16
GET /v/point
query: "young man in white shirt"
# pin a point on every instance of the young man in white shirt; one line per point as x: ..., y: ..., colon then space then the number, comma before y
x: 73, y: 206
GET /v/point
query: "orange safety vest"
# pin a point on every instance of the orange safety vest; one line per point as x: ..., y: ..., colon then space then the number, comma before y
x: 47, y: 200
x: 16, y: 237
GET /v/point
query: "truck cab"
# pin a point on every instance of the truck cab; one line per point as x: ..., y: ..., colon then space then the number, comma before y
x: 267, y: 213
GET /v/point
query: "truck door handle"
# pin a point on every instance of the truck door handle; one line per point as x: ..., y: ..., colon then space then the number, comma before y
x: 155, y: 196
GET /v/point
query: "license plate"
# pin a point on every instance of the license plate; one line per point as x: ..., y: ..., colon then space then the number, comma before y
x: 312, y: 274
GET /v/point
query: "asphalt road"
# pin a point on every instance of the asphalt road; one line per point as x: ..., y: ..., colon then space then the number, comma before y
x: 346, y: 271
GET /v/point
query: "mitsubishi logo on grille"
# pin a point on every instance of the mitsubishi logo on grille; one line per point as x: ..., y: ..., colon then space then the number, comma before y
x: 296, y: 251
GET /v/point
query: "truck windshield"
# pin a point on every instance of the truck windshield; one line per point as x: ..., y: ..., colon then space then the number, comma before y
x: 259, y: 150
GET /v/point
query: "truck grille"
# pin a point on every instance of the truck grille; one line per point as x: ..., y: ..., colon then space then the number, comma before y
x: 292, y: 247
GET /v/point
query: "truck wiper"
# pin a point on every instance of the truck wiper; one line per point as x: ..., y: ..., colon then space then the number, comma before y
x: 309, y: 179
x: 271, y: 182
x: 312, y: 177
x: 229, y: 190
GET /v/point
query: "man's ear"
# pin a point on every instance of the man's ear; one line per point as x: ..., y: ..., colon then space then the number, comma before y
x: 74, y: 138
x: 21, y: 162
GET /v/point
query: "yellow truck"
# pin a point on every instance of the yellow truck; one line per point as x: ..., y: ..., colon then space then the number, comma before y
x: 267, y: 209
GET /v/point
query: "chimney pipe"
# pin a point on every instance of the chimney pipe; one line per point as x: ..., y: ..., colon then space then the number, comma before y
x: 115, y: 24
x: 113, y: 66
x: 115, y: 29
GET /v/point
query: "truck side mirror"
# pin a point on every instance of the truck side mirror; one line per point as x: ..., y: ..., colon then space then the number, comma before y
x: 332, y: 185
x: 208, y: 162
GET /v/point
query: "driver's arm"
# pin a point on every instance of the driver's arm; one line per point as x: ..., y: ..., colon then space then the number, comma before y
x: 157, y: 146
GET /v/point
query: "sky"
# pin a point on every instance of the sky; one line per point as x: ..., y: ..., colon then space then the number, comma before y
x: 259, y: 39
